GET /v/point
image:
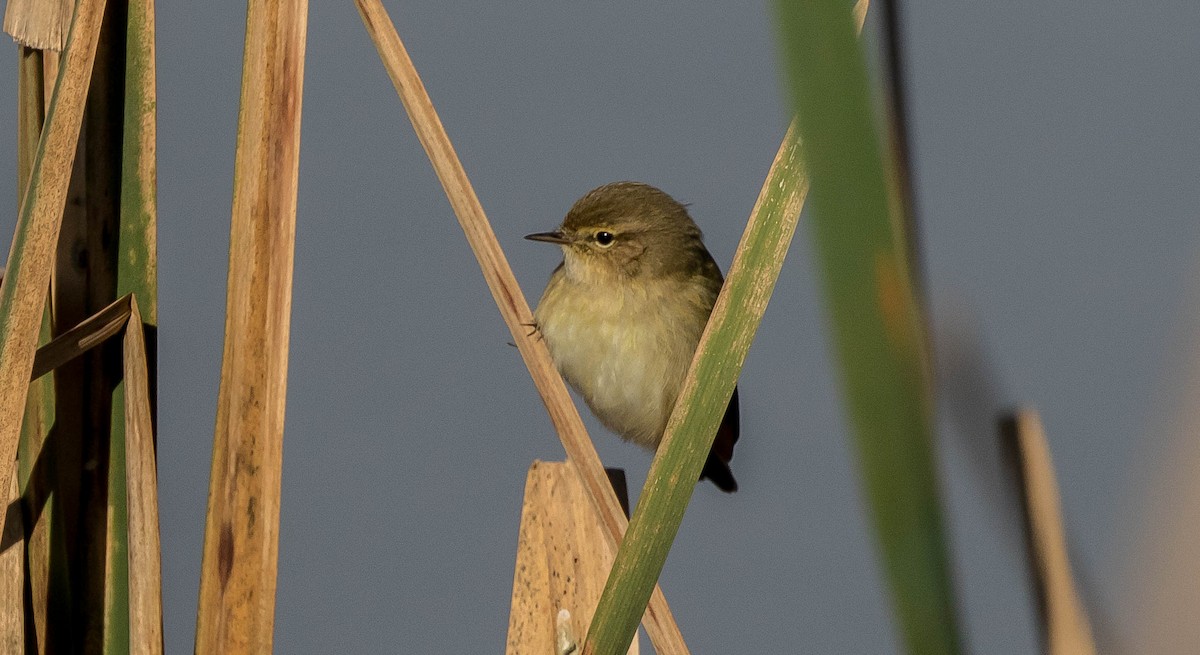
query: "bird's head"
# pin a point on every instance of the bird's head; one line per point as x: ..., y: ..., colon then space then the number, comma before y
x: 627, y: 229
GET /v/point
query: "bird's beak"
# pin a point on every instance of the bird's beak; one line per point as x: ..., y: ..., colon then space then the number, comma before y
x: 549, y: 237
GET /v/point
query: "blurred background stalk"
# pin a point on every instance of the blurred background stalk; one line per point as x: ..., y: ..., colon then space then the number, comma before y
x: 863, y: 255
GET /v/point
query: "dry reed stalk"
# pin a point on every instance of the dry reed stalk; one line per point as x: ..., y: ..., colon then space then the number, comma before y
x: 137, y: 269
x: 141, y: 476
x: 91, y: 332
x: 133, y: 610
x: 51, y: 59
x: 120, y: 317
x: 241, y: 537
x: 12, y: 575
x: 660, y: 624
x: 40, y: 24
x: 1066, y: 629
x: 27, y: 277
x: 145, y: 580
x: 562, y: 560
x: 32, y: 98
x: 31, y: 114
x: 34, y: 484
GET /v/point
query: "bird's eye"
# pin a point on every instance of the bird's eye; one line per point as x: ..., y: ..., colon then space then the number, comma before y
x: 604, y: 238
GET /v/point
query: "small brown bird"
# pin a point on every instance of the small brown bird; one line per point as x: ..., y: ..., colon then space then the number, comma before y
x: 623, y: 313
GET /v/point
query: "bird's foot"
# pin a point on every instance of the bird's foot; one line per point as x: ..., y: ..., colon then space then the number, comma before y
x: 534, y: 329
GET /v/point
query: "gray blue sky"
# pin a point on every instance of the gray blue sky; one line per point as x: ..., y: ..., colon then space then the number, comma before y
x: 1057, y: 155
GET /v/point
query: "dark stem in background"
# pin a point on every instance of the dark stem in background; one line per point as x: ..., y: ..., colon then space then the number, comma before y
x: 1008, y: 428
x: 897, y: 99
x: 1063, y: 622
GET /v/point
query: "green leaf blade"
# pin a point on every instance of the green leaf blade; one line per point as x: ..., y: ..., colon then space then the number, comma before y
x: 875, y: 318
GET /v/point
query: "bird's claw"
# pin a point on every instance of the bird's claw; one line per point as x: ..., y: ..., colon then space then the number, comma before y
x: 534, y: 328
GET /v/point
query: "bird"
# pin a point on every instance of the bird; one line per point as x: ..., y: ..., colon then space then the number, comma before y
x: 623, y: 312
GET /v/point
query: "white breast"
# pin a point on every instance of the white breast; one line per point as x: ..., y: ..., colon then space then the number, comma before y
x: 620, y: 349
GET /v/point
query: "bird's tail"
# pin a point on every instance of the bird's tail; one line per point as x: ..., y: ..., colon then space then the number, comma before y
x: 719, y: 473
x: 716, y: 467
